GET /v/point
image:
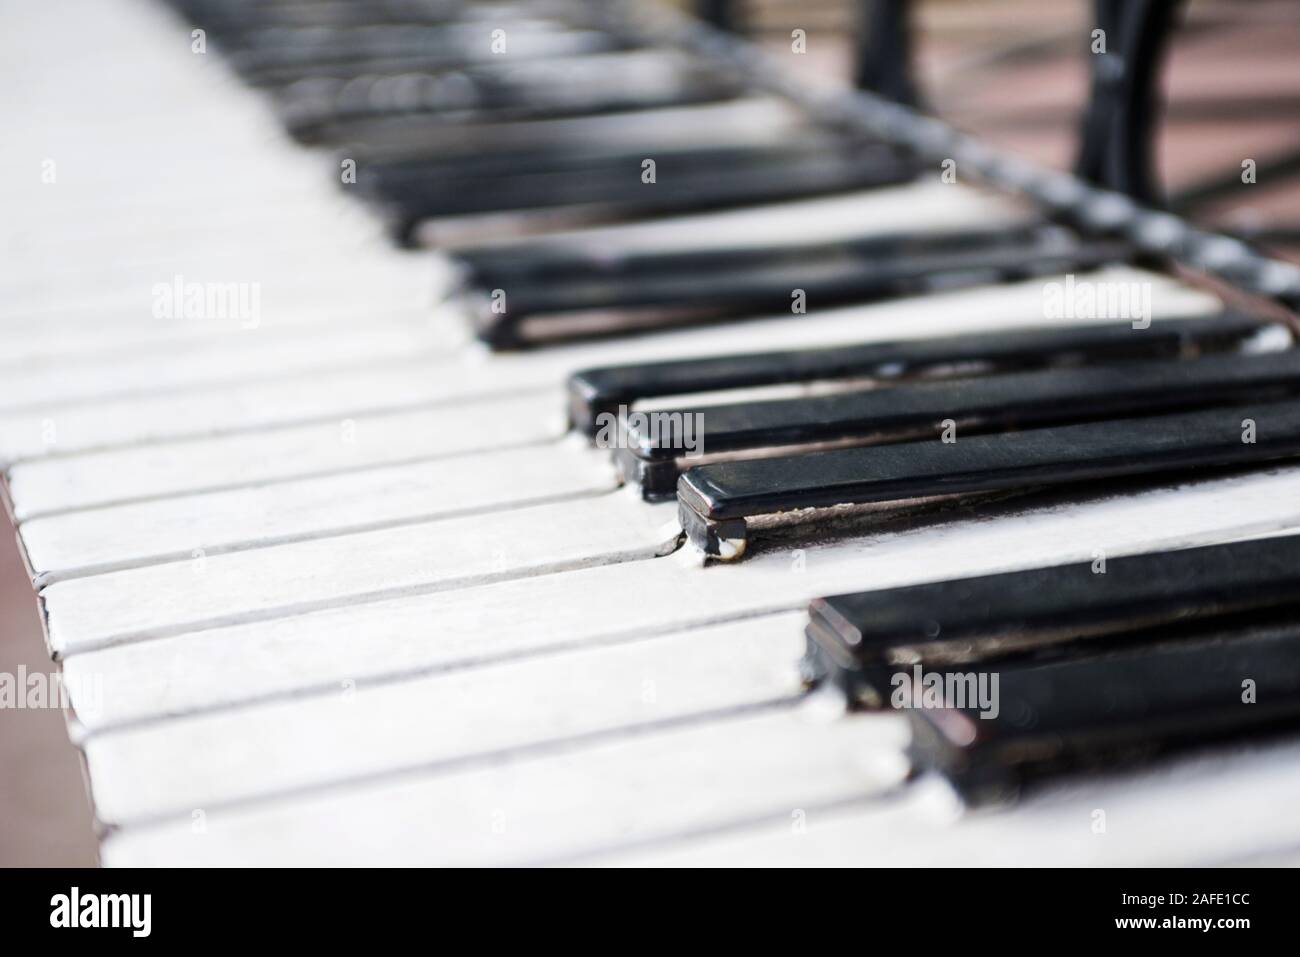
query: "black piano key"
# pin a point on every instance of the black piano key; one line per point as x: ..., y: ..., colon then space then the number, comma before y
x: 431, y: 175
x: 736, y: 282
x: 313, y: 126
x: 329, y: 109
x: 412, y: 154
x: 716, y: 501
x: 549, y: 313
x: 236, y: 20
x: 598, y: 393
x: 858, y: 642
x: 522, y: 265
x: 281, y: 56
x: 654, y: 455
x: 606, y: 195
x: 1082, y: 713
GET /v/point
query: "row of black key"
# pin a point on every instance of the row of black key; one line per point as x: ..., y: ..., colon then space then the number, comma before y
x: 1091, y: 663
x: 406, y: 77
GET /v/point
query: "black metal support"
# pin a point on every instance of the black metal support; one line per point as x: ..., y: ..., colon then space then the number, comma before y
x: 1094, y: 207
x: 1118, y: 137
x: 1107, y: 69
x: 719, y: 13
x: 883, y: 50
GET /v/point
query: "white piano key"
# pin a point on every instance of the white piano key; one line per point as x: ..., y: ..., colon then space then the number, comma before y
x: 108, y: 345
x: 212, y: 760
x: 222, y: 667
x: 352, y: 443
x: 539, y: 807
x: 237, y: 357
x: 284, y: 178
x: 246, y: 407
x: 211, y: 590
x: 176, y: 194
x: 332, y: 239
x: 399, y: 282
x: 1151, y: 817
x: 91, y: 542
x: 299, y: 189
x: 316, y: 247
x: 146, y: 235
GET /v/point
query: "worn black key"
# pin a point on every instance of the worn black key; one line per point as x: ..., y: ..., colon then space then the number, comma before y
x: 650, y: 450
x: 729, y: 283
x: 555, y: 313
x: 596, y: 396
x: 415, y: 152
x: 1071, y: 714
x: 491, y: 161
x: 330, y: 109
x: 427, y: 177
x: 522, y: 266
x: 860, y: 642
x: 234, y: 21
x: 278, y: 57
x: 609, y: 194
x: 716, y: 502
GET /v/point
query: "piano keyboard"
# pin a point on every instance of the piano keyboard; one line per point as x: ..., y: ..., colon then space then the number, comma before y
x: 411, y: 474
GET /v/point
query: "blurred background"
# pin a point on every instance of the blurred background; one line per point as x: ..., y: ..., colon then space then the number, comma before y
x: 1015, y: 72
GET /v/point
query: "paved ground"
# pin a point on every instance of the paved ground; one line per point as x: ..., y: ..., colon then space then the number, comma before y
x: 45, y: 818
